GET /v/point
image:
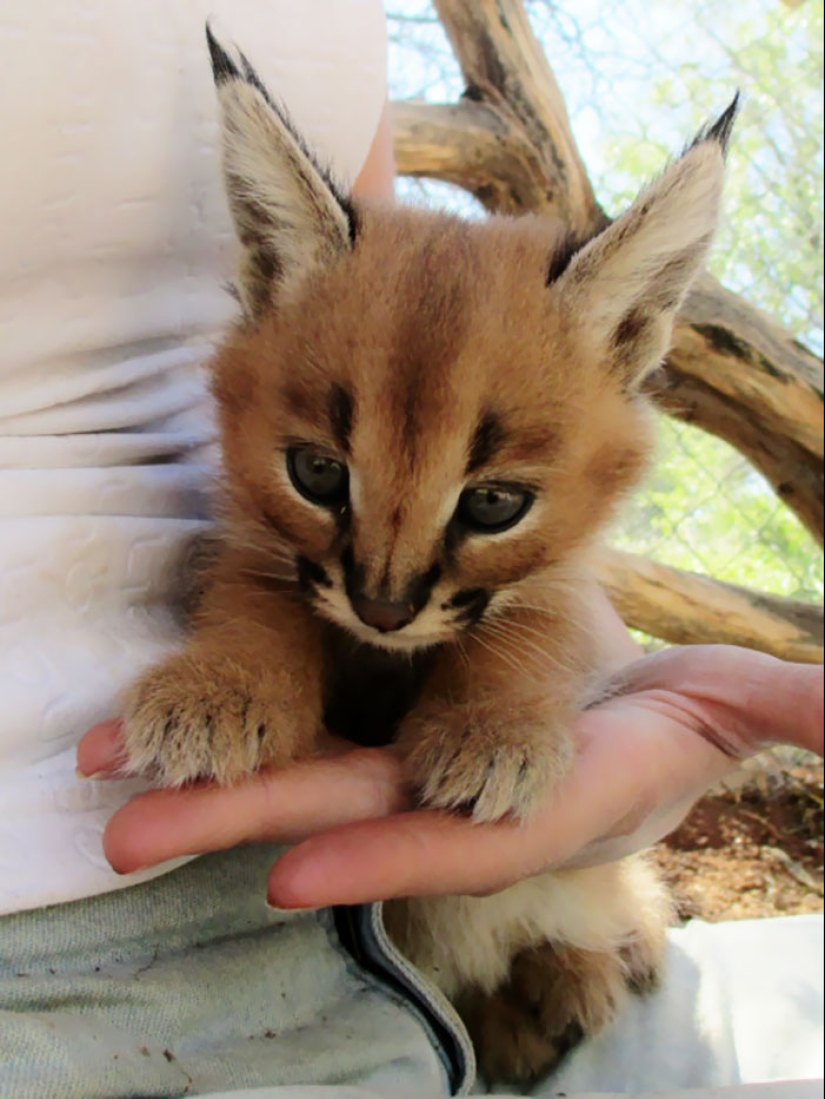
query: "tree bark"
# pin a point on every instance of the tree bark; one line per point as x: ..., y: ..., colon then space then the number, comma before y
x: 732, y: 370
x: 473, y: 146
x: 684, y: 608
x: 505, y: 67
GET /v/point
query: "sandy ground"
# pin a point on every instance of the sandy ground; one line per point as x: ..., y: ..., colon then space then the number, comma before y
x: 755, y: 850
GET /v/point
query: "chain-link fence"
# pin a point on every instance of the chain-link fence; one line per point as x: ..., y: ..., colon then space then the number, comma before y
x: 638, y: 79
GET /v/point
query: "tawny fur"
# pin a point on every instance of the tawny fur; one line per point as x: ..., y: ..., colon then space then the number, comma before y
x: 554, y: 994
x: 426, y: 354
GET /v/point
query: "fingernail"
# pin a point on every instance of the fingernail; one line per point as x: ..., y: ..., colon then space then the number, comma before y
x: 131, y: 870
x: 283, y: 907
x: 94, y: 775
x: 288, y: 906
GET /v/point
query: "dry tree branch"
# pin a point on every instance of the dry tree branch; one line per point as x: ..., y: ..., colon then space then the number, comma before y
x: 473, y: 146
x: 732, y: 370
x: 505, y: 67
x: 684, y: 608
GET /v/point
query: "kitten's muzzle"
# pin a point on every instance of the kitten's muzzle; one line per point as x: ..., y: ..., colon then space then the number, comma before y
x: 382, y: 615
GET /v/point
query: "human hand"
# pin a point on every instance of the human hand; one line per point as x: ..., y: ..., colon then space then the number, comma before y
x: 676, y: 723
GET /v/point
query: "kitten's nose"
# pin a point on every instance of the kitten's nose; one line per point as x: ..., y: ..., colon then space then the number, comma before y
x: 381, y: 615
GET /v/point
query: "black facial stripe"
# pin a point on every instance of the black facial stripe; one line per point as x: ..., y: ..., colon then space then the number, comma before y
x: 340, y: 405
x: 343, y: 521
x: 311, y: 574
x: 471, y: 604
x: 466, y: 597
x: 454, y: 535
x: 563, y: 256
x: 354, y: 575
x: 420, y: 588
x: 489, y: 436
x: 433, y: 574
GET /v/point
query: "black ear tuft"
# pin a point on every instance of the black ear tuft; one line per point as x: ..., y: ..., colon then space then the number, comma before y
x: 570, y: 245
x: 250, y: 75
x: 720, y: 131
x: 223, y: 67
x: 289, y: 215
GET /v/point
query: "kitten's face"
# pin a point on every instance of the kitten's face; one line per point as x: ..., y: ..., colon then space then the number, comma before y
x: 423, y: 419
x: 417, y: 434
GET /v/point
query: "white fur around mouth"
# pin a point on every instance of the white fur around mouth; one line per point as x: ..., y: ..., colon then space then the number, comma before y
x: 393, y: 642
x: 336, y: 609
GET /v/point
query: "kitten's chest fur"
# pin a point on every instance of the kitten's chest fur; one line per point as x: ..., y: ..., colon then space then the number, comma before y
x: 367, y: 691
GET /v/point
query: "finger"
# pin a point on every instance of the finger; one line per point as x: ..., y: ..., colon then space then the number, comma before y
x: 100, y: 752
x: 435, y: 853
x: 632, y: 759
x: 278, y: 806
x: 424, y: 852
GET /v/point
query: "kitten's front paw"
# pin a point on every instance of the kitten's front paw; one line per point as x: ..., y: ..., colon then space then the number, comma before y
x: 197, y: 716
x: 485, y: 759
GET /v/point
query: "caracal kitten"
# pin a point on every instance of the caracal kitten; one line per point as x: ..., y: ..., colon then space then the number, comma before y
x: 426, y: 423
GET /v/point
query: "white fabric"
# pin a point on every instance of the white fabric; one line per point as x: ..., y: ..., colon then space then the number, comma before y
x: 739, y: 1016
x: 742, y: 1003
x: 115, y: 244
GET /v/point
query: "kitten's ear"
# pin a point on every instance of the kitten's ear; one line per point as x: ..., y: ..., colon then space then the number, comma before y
x: 622, y: 290
x: 288, y: 213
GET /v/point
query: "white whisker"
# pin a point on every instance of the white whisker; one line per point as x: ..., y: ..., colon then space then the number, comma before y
x: 499, y: 652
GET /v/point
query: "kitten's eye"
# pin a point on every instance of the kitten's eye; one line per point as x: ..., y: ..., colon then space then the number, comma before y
x: 490, y: 508
x: 319, y: 478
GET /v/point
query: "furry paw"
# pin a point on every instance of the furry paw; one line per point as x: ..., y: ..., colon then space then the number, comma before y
x: 483, y: 759
x: 554, y: 997
x: 643, y: 958
x: 198, y: 716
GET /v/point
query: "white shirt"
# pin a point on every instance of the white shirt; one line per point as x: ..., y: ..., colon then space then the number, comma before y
x: 115, y: 245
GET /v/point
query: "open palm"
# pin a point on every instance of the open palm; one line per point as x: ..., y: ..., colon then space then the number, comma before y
x: 675, y: 723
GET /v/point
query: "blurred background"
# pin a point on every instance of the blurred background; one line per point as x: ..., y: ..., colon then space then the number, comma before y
x: 639, y: 78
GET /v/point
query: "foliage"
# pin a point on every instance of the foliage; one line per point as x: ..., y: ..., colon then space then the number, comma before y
x: 770, y: 248
x: 703, y: 508
x: 638, y: 78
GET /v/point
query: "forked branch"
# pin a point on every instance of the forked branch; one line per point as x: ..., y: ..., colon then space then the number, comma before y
x: 684, y: 608
x: 732, y: 370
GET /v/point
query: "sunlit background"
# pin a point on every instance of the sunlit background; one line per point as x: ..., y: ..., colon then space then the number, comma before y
x: 639, y: 77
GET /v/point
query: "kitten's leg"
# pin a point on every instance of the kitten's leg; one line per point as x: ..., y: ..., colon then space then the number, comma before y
x: 245, y: 691
x: 554, y: 996
x: 492, y: 731
x: 542, y: 965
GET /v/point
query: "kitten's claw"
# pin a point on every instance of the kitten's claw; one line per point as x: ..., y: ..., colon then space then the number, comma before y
x: 485, y: 764
x: 198, y: 718
x: 485, y: 786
